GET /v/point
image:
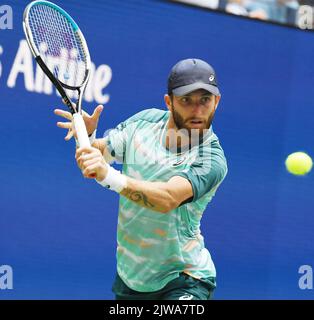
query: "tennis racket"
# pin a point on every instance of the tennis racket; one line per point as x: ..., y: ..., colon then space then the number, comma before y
x: 60, y: 49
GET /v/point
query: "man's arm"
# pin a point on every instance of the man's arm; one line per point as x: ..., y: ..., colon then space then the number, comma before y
x: 158, y: 196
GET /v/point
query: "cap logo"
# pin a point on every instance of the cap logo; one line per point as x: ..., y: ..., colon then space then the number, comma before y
x: 211, y: 78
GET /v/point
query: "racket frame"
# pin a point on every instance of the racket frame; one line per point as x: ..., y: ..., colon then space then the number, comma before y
x: 75, y: 109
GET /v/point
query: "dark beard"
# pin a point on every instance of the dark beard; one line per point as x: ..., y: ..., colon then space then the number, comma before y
x: 179, y: 122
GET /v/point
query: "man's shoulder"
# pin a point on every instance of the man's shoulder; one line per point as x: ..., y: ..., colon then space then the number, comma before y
x: 212, y: 149
x: 153, y: 115
x: 211, y: 143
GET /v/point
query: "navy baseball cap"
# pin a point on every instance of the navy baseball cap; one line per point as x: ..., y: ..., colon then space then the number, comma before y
x: 192, y: 74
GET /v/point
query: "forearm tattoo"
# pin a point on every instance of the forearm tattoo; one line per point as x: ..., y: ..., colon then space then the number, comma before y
x: 138, y: 196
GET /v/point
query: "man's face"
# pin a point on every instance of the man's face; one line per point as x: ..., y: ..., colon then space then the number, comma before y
x: 195, y: 110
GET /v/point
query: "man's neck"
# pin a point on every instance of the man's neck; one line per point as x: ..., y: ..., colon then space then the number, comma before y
x: 176, y: 139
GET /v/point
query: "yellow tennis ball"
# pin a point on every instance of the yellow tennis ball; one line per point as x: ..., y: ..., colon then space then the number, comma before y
x: 299, y: 163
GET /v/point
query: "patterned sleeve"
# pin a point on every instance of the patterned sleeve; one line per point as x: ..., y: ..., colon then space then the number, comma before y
x: 118, y: 139
x: 206, y: 173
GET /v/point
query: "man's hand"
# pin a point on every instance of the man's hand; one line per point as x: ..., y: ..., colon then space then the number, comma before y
x: 91, y: 121
x: 92, y: 163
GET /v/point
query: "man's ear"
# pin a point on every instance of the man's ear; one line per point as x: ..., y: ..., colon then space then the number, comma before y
x: 217, y: 99
x: 167, y: 101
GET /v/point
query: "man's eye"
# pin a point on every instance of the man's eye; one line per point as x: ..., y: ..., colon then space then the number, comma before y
x: 205, y: 99
x: 184, y: 100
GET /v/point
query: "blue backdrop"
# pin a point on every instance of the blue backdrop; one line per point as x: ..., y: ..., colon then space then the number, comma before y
x: 58, y: 230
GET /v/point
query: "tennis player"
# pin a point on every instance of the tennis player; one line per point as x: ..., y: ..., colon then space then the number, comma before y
x: 172, y: 166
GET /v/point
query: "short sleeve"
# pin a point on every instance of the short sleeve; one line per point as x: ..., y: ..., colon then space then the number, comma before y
x: 119, y: 138
x: 206, y: 173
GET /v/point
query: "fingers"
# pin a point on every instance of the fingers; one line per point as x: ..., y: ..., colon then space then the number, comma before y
x: 67, y: 115
x: 89, y: 156
x: 88, y: 163
x: 98, y: 110
x: 91, y: 162
x: 84, y: 160
x: 69, y: 126
x: 64, y: 125
x: 69, y: 135
x: 82, y: 153
x: 64, y: 114
x: 91, y: 169
x: 79, y: 151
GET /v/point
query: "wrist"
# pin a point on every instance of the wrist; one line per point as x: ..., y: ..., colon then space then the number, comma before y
x: 103, y: 174
x: 113, y: 180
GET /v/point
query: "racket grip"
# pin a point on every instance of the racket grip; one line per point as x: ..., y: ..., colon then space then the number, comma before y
x: 80, y: 129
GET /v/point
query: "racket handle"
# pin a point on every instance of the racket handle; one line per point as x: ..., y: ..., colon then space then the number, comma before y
x: 80, y: 129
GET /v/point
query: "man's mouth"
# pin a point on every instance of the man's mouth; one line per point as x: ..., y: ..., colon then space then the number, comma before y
x: 196, y: 121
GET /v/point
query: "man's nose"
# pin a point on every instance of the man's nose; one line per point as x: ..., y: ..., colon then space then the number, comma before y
x: 197, y: 106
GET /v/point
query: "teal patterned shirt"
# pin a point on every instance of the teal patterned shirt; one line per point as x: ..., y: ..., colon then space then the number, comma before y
x: 154, y: 247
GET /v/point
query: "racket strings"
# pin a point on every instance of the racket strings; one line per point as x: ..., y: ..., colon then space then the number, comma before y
x: 59, y: 44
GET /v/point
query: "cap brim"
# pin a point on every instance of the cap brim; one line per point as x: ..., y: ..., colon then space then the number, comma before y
x: 181, y: 91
